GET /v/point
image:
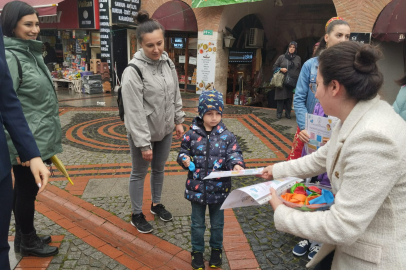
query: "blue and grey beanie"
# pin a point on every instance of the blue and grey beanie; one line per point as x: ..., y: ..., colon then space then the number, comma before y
x: 210, y: 100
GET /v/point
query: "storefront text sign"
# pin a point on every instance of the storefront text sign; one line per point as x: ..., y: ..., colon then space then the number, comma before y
x: 192, y: 60
x: 207, y: 32
x: 211, y: 3
x: 206, y: 65
x: 86, y: 14
x: 124, y: 11
x: 105, y: 35
x: 364, y: 38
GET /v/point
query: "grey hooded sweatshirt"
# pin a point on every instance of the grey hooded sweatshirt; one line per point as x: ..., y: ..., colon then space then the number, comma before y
x: 152, y: 106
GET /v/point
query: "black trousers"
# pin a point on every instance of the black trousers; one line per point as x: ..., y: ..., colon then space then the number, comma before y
x: 326, y: 263
x: 6, y: 203
x: 25, y: 193
x: 281, y: 103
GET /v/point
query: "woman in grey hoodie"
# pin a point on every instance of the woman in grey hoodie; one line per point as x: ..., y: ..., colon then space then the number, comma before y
x: 152, y: 109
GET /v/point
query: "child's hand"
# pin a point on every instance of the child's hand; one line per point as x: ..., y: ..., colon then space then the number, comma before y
x: 238, y: 168
x: 186, y: 161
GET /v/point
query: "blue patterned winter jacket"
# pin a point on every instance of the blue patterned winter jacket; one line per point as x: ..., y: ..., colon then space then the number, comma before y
x: 217, y: 151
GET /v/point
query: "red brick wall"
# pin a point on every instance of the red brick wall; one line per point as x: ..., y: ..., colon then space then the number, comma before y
x: 360, y: 14
x: 207, y: 18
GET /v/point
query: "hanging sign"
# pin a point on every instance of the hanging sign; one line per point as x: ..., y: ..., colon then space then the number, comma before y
x: 206, y: 65
x: 211, y: 3
x: 105, y: 35
x: 86, y: 14
x: 124, y: 11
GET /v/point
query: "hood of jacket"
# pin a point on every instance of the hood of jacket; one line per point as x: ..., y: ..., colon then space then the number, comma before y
x: 198, y: 127
x: 36, y: 94
x: 140, y: 55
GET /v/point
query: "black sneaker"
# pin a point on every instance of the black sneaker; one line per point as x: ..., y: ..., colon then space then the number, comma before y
x: 160, y: 210
x: 215, y: 258
x: 139, y: 222
x: 197, y: 260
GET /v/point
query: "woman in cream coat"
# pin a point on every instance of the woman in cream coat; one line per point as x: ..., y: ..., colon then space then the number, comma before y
x: 364, y: 159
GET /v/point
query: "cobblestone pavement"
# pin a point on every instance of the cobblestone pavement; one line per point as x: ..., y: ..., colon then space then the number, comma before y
x: 95, y: 145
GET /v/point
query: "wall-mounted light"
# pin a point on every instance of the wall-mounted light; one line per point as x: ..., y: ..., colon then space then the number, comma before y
x: 228, y: 41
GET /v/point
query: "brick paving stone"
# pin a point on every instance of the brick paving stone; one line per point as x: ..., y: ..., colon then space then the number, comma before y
x: 73, y: 252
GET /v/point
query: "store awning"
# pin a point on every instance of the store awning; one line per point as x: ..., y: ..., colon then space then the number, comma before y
x: 44, y: 7
x: 176, y: 16
x: 391, y: 23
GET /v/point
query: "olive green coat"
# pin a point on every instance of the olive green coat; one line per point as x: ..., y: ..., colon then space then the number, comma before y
x: 36, y: 94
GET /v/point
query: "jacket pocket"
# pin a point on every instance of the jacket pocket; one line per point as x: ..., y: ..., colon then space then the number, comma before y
x: 364, y: 251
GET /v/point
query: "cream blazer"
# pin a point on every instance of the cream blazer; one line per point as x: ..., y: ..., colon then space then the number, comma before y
x: 365, y: 160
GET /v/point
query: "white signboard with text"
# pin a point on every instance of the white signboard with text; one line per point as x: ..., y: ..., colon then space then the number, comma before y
x: 206, y: 65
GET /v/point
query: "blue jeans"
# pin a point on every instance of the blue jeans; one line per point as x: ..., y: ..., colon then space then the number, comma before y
x: 199, y: 227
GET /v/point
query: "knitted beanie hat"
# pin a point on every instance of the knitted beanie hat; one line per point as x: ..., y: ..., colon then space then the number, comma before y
x: 210, y: 100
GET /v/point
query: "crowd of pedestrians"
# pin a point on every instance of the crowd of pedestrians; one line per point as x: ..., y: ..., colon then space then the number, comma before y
x: 362, y: 161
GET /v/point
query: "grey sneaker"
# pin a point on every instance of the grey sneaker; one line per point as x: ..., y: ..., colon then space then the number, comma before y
x: 160, y: 210
x: 139, y: 222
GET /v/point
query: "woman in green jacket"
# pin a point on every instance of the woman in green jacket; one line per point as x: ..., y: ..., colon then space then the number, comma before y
x: 34, y: 87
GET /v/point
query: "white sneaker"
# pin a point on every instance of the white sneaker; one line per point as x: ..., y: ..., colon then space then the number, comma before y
x: 313, y: 251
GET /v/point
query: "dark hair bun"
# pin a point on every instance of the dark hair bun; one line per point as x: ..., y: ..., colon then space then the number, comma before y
x: 143, y: 16
x: 366, y: 58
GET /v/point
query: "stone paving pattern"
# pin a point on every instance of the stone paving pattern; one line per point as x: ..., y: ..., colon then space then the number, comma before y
x: 272, y: 249
x: 73, y: 252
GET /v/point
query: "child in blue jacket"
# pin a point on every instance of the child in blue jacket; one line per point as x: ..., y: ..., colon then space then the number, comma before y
x: 210, y: 146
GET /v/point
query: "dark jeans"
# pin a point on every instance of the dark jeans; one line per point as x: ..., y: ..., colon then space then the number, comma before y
x: 281, y: 103
x: 6, y: 203
x: 199, y: 226
x: 25, y: 193
x: 326, y: 263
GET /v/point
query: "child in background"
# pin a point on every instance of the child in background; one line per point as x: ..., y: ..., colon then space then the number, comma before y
x: 210, y: 146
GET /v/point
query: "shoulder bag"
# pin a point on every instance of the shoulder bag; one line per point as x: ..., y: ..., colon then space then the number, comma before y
x: 278, y: 79
x: 290, y: 81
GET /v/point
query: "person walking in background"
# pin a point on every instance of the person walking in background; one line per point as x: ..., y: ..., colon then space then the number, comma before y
x: 12, y: 118
x: 290, y: 64
x: 400, y: 103
x: 210, y: 146
x: 364, y: 159
x: 152, y: 109
x: 33, y: 83
x: 337, y: 30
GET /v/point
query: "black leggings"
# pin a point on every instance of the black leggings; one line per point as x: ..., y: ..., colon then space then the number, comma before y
x: 25, y: 193
x: 326, y: 263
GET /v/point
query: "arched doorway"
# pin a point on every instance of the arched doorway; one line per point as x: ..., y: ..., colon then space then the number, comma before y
x: 181, y: 29
x: 389, y: 33
x: 300, y: 21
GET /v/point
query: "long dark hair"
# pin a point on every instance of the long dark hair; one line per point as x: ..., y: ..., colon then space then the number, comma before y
x: 354, y: 66
x: 330, y: 28
x: 146, y: 25
x: 12, y: 13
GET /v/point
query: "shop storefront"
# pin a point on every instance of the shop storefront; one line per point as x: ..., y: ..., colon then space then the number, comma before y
x: 117, y: 34
x: 258, y: 27
x: 67, y: 37
x: 181, y: 42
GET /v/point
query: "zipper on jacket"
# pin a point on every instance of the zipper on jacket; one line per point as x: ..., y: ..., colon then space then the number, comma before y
x: 207, y: 165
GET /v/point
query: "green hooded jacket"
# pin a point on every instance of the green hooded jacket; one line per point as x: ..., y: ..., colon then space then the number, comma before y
x: 36, y: 94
